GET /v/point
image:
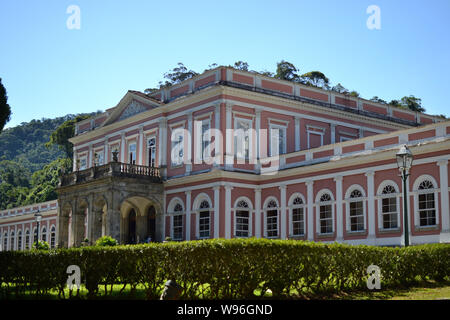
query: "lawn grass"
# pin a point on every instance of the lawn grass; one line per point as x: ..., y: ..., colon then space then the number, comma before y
x: 423, y: 291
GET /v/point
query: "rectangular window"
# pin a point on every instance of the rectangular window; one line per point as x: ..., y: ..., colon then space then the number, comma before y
x: 298, y: 222
x: 204, y: 224
x: 427, y: 212
x: 152, y: 152
x: 242, y: 139
x: 132, y: 153
x: 204, y: 139
x: 356, y: 216
x: 326, y: 219
x: 277, y: 140
x: 178, y: 227
x: 242, y: 223
x: 272, y: 223
x: 83, y: 163
x: 389, y: 212
x: 177, y: 153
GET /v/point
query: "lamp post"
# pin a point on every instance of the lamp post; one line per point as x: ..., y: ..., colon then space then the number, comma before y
x: 38, y: 218
x: 404, y: 162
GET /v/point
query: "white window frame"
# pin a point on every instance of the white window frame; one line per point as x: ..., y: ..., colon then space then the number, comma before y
x: 149, y: 158
x: 283, y: 129
x: 291, y: 214
x: 200, y: 140
x: 318, y: 204
x: 27, y: 245
x: 348, y: 201
x: 83, y: 158
x: 250, y: 138
x: 197, y: 210
x: 250, y: 220
x: 177, y: 145
x: 52, y: 227
x: 416, y: 192
x: 266, y: 209
x: 12, y: 240
x: 314, y: 130
x: 134, y: 153
x: 172, y: 213
x: 19, y: 240
x: 5, y: 241
x: 380, y: 197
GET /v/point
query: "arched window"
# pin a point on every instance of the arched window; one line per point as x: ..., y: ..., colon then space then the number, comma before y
x: 52, y: 237
x: 272, y: 219
x: 19, y: 240
x: 34, y: 235
x: 389, y: 211
x: 356, y: 211
x: 204, y: 220
x: 298, y: 217
x: 5, y: 241
x: 12, y: 240
x: 27, y: 239
x: 242, y: 228
x: 427, y: 209
x: 44, y: 234
x: 178, y: 222
x: 326, y: 214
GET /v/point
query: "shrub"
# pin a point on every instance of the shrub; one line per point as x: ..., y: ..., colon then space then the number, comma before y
x: 225, y: 269
x: 41, y: 245
x: 106, y: 241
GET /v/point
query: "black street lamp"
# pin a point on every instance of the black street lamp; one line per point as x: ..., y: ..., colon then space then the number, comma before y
x: 404, y: 162
x: 38, y: 218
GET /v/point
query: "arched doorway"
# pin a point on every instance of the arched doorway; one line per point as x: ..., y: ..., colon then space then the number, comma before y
x: 151, y: 223
x: 132, y: 227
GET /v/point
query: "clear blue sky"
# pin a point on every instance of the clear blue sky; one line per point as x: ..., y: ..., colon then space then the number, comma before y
x: 49, y: 70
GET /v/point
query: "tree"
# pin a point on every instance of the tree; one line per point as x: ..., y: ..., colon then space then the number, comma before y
x: 241, y: 65
x: 5, y: 109
x: 177, y: 75
x: 63, y: 133
x: 395, y: 103
x: 14, y: 174
x: 287, y: 71
x: 339, y: 88
x: 44, y: 182
x: 316, y: 79
x: 353, y: 93
x: 379, y: 100
x: 413, y: 103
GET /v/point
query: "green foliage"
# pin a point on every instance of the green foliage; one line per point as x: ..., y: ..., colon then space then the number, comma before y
x: 413, y: 103
x: 13, y: 173
x: 41, y: 245
x: 5, y: 109
x: 106, y: 241
x: 60, y: 137
x: 227, y: 269
x: 315, y: 79
x: 287, y: 71
x: 41, y: 187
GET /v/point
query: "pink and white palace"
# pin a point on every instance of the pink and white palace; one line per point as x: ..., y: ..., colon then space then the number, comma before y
x: 230, y: 153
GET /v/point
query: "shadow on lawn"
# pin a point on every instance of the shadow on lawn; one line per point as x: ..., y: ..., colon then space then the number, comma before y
x: 382, y: 294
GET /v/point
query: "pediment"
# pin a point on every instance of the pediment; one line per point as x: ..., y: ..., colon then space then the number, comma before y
x: 130, y: 105
x: 134, y: 107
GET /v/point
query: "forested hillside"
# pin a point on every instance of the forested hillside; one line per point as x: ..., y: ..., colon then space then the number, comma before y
x: 29, y: 169
x: 25, y: 144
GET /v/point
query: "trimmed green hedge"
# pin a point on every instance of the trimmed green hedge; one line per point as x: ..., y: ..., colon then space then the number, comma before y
x: 225, y: 269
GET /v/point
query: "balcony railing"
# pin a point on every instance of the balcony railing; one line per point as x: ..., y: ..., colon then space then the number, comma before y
x: 112, y: 169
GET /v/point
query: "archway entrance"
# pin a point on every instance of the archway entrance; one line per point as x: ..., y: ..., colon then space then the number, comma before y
x: 151, y: 223
x: 132, y: 227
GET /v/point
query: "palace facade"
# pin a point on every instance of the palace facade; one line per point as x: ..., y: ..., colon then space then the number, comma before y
x: 231, y: 153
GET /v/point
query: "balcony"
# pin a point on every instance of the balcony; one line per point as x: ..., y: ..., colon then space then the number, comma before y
x: 112, y: 169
